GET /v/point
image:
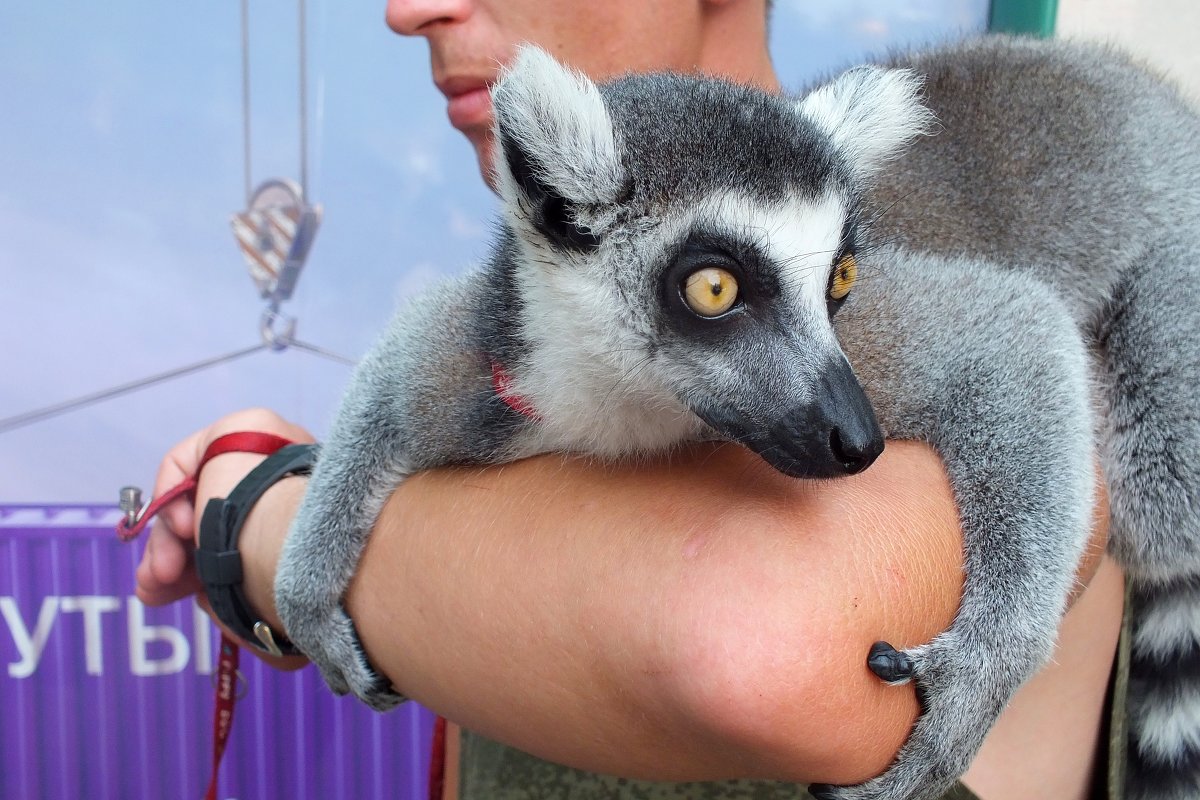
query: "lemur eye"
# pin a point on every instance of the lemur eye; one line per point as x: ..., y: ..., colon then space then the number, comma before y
x: 841, y: 281
x: 711, y: 291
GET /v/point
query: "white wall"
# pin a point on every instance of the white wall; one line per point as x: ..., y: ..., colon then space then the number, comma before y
x: 1164, y: 32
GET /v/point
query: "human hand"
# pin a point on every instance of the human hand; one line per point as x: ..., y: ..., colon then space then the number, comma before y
x: 166, y: 572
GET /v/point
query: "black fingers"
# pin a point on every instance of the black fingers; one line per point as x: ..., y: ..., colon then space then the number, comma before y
x: 889, y: 664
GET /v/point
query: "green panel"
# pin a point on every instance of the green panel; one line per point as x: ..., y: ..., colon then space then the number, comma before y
x: 1034, y: 17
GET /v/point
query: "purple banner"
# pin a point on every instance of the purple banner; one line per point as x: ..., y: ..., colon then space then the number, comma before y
x: 101, y: 697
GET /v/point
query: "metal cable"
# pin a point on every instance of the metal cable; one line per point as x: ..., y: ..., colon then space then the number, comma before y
x: 246, y: 97
x: 20, y: 420
x: 321, y: 351
x: 303, y: 104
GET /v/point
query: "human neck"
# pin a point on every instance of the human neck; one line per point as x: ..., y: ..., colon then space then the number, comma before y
x: 734, y: 44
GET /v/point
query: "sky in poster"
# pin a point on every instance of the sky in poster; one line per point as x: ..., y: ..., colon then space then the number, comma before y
x: 123, y: 162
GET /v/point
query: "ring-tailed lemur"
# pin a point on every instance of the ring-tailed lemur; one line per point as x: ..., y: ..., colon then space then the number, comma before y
x: 679, y: 258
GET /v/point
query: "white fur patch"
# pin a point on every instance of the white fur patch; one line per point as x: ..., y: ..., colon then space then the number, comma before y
x: 801, y: 236
x: 1170, y: 626
x: 589, y: 373
x: 871, y: 113
x: 805, y: 239
x: 1169, y: 723
x: 558, y: 114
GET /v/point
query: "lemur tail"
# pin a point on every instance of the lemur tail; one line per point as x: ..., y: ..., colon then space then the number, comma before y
x: 1164, y: 691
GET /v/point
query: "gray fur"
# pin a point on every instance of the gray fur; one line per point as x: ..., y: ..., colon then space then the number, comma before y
x: 1090, y: 171
x: 1055, y: 211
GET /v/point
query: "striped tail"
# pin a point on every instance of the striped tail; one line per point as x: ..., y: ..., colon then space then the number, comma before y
x: 1164, y: 691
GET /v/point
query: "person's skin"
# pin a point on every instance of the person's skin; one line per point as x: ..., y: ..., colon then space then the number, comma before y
x: 469, y: 40
x: 699, y: 619
x: 633, y: 614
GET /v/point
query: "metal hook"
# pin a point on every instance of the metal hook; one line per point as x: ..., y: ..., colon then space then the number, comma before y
x: 277, y: 339
x: 131, y: 505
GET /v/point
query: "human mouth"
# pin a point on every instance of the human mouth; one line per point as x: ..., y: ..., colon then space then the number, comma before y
x: 470, y: 104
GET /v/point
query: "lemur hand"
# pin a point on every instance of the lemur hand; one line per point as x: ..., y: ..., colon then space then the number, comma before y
x: 950, y: 681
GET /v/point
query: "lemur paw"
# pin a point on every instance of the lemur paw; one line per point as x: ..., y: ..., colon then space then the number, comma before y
x: 345, y: 660
x: 962, y: 690
x: 889, y: 664
x: 337, y: 652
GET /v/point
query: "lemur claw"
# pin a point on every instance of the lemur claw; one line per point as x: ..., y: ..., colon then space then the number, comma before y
x: 889, y: 664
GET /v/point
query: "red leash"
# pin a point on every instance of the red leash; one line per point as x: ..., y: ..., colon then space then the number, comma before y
x: 437, y: 760
x: 227, y: 661
x: 227, y: 673
x: 242, y: 442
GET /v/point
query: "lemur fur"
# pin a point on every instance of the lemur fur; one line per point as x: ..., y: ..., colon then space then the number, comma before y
x: 1037, y: 256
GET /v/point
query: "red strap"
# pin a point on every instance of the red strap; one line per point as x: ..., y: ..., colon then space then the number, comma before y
x: 227, y: 674
x: 437, y: 760
x: 240, y: 442
x: 227, y: 663
x: 127, y: 532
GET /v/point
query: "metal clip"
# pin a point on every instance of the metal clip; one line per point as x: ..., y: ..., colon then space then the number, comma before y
x: 277, y: 330
x: 131, y: 504
x: 262, y: 632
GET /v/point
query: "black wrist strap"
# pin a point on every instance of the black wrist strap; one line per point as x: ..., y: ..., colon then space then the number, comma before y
x: 218, y: 561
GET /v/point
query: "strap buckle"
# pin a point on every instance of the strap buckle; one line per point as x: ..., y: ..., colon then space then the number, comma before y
x: 262, y: 632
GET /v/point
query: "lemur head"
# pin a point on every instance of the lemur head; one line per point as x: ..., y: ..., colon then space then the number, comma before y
x: 682, y: 244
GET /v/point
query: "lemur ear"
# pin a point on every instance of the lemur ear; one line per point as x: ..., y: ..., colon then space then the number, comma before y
x: 871, y: 113
x: 556, y: 151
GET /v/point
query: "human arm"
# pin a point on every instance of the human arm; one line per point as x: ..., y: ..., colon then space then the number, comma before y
x: 691, y: 620
x: 697, y: 619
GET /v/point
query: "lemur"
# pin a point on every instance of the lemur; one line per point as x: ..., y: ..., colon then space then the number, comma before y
x: 992, y: 247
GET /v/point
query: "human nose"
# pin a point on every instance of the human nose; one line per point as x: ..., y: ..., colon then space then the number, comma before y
x: 414, y: 17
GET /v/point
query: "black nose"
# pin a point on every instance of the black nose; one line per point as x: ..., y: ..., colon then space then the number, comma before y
x: 844, y: 421
x: 836, y: 434
x: 854, y: 456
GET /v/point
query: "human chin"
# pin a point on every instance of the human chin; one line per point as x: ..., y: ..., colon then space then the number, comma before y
x: 481, y: 141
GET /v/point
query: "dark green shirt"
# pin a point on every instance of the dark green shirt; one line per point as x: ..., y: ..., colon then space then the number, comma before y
x: 492, y: 771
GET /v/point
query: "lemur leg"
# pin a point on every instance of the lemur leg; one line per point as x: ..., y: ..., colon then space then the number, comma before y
x: 1152, y: 460
x: 990, y: 369
x: 355, y: 474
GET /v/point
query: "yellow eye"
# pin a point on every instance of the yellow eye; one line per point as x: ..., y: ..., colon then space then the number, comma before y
x: 845, y: 273
x: 711, y: 291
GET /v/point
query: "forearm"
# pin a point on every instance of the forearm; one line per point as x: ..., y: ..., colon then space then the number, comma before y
x: 703, y: 619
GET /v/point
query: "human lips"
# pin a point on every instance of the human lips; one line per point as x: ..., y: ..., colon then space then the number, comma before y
x: 470, y: 103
